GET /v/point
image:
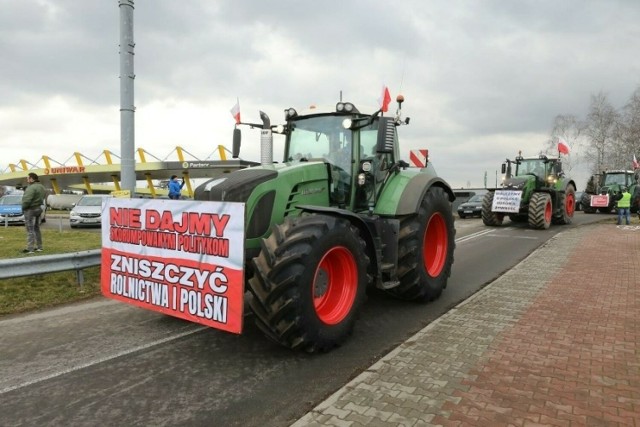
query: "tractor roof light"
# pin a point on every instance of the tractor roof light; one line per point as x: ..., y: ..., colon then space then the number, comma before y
x: 290, y: 113
x: 347, y: 123
x: 346, y: 107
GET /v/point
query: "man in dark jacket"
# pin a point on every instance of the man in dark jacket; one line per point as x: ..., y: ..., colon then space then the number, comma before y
x: 32, y: 201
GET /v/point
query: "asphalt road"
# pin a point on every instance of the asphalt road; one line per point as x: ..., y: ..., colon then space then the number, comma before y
x: 106, y: 363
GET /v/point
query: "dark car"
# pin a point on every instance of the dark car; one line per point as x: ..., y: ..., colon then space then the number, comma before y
x: 578, y: 196
x: 472, y: 207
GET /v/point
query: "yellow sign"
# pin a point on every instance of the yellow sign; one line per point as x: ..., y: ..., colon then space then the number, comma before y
x: 123, y: 194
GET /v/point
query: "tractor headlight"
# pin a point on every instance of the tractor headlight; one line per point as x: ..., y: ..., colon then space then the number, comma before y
x: 346, y: 107
x: 346, y: 123
x: 290, y: 113
x: 362, y: 179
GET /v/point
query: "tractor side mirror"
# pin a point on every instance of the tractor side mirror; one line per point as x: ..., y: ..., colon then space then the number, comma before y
x: 237, y: 137
x: 504, y: 168
x: 558, y: 168
x: 386, y: 135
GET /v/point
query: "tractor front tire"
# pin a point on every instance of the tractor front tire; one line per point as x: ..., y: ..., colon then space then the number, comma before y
x: 309, y: 282
x: 426, y: 244
x: 540, y: 211
x: 489, y: 217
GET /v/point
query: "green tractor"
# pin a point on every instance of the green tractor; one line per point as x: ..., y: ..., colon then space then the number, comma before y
x: 340, y: 215
x: 537, y: 192
x: 601, y: 189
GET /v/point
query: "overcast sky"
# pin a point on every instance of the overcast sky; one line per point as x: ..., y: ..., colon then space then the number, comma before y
x: 482, y: 79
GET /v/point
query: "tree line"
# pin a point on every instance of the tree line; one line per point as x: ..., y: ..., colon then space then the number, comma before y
x: 607, y: 138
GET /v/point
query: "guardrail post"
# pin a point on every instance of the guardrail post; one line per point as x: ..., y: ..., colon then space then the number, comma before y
x: 80, y: 277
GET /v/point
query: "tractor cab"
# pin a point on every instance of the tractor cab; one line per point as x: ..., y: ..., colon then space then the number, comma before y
x: 614, y: 180
x: 359, y: 150
x: 545, y: 170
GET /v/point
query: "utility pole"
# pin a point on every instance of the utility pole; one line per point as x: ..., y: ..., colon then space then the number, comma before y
x: 127, y: 108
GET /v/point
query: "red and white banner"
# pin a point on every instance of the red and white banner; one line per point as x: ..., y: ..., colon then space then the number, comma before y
x: 235, y: 112
x: 599, y: 201
x: 563, y: 147
x: 385, y: 99
x: 419, y: 158
x: 181, y: 258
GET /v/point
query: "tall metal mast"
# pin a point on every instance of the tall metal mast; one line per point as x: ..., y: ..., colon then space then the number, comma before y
x: 127, y: 108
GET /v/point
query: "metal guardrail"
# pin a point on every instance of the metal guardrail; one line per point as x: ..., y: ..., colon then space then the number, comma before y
x: 30, y: 266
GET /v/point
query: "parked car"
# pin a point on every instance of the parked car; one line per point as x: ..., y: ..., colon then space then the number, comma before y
x: 472, y: 207
x: 578, y: 200
x: 87, y: 212
x: 11, y: 210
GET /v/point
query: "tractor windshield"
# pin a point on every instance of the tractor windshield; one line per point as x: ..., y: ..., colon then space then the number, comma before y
x: 531, y: 166
x: 615, y: 178
x: 323, y: 137
x: 320, y: 137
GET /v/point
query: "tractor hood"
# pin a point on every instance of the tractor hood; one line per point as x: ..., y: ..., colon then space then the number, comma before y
x: 516, y: 182
x: 235, y: 187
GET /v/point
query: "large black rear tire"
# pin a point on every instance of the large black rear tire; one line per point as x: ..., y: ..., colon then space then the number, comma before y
x: 427, y: 241
x: 309, y: 282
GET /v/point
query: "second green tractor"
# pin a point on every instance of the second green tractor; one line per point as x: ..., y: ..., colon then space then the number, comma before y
x: 535, y: 190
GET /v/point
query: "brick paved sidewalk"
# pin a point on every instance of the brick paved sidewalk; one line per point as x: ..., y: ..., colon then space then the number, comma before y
x: 554, y: 341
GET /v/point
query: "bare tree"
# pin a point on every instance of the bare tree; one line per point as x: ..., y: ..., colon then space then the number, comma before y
x: 629, y: 130
x: 601, y: 130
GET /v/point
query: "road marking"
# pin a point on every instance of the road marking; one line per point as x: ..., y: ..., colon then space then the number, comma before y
x: 473, y: 236
x: 491, y: 233
x: 513, y: 237
x: 103, y: 359
x: 628, y: 227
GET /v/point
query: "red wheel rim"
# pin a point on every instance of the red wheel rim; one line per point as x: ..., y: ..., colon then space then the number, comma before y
x: 335, y: 285
x: 570, y: 204
x: 435, y: 245
x: 547, y: 211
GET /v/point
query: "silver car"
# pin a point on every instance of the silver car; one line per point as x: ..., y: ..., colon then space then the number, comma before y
x: 87, y: 212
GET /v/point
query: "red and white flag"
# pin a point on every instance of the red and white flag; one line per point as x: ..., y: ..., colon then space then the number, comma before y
x: 385, y: 99
x: 563, y: 147
x: 636, y: 165
x: 235, y: 112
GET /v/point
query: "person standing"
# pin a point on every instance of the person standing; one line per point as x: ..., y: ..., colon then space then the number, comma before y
x: 175, y: 187
x: 32, y: 201
x: 624, y: 206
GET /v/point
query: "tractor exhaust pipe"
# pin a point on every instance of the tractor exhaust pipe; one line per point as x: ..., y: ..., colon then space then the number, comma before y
x: 266, y: 141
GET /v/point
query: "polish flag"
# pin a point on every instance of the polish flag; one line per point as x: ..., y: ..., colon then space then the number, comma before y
x: 385, y: 99
x: 563, y: 147
x: 235, y: 112
x: 636, y: 165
